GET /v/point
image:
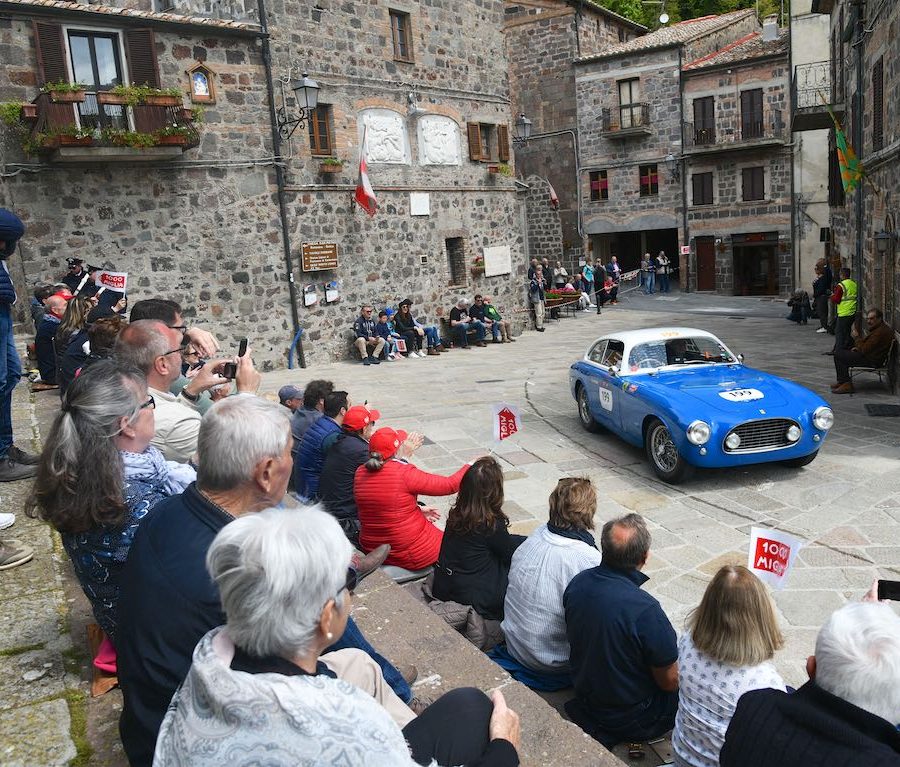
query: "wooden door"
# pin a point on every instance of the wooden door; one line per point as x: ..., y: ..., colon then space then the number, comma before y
x: 706, y: 264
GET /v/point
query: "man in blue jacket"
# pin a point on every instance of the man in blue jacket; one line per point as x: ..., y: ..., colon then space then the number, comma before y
x: 14, y: 463
x: 318, y: 438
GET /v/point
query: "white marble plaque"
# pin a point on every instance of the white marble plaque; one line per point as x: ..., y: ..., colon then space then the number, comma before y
x: 419, y: 204
x: 438, y: 140
x: 387, y: 138
x: 497, y: 260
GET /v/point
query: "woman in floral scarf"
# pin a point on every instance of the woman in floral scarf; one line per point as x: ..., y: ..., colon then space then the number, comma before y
x: 99, y: 476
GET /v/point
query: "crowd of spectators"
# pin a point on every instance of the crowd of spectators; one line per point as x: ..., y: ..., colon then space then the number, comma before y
x: 225, y: 600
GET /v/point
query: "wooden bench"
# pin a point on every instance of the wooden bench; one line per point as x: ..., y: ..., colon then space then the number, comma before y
x: 888, y: 368
x: 448, y: 336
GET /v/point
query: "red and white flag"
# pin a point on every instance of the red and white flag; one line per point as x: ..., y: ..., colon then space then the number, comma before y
x: 772, y: 554
x: 554, y: 197
x: 507, y: 420
x: 365, y: 195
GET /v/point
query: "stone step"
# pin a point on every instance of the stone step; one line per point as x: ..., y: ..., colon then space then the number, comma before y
x: 406, y: 631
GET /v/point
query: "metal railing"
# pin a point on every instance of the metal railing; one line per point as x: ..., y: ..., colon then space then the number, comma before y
x: 811, y: 85
x: 625, y: 118
x: 742, y: 129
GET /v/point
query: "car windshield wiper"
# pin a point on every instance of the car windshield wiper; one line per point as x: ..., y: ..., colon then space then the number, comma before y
x: 696, y: 362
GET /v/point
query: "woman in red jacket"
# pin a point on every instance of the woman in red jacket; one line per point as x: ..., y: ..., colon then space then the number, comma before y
x: 386, y: 488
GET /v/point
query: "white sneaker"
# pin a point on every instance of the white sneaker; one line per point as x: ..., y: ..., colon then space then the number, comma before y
x: 821, y: 330
x: 391, y: 357
x: 422, y: 354
x: 6, y: 520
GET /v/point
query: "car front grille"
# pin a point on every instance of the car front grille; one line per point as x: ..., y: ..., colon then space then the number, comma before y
x: 767, y: 434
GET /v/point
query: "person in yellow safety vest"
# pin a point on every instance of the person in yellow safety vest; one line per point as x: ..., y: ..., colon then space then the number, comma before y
x: 845, y: 298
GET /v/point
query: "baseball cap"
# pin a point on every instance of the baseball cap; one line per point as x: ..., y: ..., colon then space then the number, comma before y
x: 389, y: 312
x: 359, y: 416
x: 386, y: 442
x: 289, y: 392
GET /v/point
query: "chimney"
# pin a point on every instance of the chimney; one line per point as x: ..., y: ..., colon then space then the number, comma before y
x: 770, y: 29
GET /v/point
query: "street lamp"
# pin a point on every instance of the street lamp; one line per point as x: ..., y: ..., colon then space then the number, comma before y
x: 523, y: 129
x: 883, y: 241
x: 672, y: 167
x: 306, y: 94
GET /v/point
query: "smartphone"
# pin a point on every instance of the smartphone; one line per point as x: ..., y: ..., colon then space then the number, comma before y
x: 889, y: 590
x: 229, y: 370
x: 242, y: 348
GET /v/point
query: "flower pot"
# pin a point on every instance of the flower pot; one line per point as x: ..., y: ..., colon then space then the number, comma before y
x: 186, y: 115
x: 75, y: 140
x: 477, y: 271
x: 174, y: 140
x: 50, y: 142
x: 493, y: 168
x: 163, y: 101
x: 29, y: 111
x: 108, y: 97
x: 330, y: 168
x: 67, y: 97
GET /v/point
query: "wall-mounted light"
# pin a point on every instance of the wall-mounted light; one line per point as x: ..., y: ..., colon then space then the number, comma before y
x: 884, y: 241
x: 673, y: 167
x: 413, y: 109
x: 522, y: 129
x: 306, y: 94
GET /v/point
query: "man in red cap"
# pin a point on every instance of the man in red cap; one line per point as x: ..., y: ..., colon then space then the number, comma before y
x: 349, y: 451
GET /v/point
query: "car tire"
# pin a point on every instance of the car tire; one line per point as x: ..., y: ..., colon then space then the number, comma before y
x: 797, y: 463
x: 665, y: 460
x: 584, y: 411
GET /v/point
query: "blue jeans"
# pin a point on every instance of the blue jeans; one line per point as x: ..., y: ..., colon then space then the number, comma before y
x: 495, y: 330
x: 664, y: 283
x: 10, y: 373
x: 464, y: 327
x: 431, y: 334
x: 354, y: 638
x: 648, y: 282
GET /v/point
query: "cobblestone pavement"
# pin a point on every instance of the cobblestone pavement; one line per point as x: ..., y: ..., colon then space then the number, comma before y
x: 846, y: 504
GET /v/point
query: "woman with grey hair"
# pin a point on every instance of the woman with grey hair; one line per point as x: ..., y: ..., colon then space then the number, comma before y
x: 260, y: 689
x: 99, y: 476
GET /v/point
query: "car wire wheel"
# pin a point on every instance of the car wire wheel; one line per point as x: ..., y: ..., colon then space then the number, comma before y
x: 665, y: 459
x: 584, y: 411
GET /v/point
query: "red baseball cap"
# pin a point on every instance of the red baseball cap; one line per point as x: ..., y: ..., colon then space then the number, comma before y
x: 359, y: 416
x: 386, y: 442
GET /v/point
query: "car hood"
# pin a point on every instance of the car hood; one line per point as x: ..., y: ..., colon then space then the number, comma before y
x: 733, y: 389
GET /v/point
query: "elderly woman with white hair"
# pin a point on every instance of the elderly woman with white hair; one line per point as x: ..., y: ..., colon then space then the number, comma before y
x: 260, y: 689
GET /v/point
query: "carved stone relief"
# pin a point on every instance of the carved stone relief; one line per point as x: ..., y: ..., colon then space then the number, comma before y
x: 387, y: 138
x: 438, y: 140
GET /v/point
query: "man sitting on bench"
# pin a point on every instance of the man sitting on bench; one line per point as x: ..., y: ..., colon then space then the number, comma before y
x: 461, y: 324
x: 868, y: 351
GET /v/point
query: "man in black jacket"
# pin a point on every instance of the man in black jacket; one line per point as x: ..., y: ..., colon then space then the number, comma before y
x: 349, y: 451
x: 44, y: 349
x: 368, y: 342
x: 168, y: 601
x: 847, y: 713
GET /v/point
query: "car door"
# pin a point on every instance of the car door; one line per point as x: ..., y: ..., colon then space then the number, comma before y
x: 608, y: 387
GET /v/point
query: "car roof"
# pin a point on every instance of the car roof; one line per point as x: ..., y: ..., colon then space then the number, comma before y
x: 633, y: 337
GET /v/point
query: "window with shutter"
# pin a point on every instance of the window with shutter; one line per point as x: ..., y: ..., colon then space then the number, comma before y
x: 503, y: 143
x: 649, y: 180
x: 878, y: 105
x: 753, y: 183
x: 474, y: 131
x: 752, y: 113
x: 51, y: 54
x: 599, y: 185
x: 702, y: 184
x: 401, y: 35
x: 704, y: 120
x: 140, y: 49
x: 320, y: 131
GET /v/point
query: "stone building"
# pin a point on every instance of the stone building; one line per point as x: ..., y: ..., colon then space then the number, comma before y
x: 810, y: 125
x: 865, y: 86
x: 543, y: 40
x: 737, y: 166
x: 640, y: 151
x: 225, y: 227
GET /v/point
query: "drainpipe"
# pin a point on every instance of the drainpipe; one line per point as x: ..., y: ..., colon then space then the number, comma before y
x: 858, y: 140
x: 683, y: 164
x: 795, y: 203
x: 280, y: 183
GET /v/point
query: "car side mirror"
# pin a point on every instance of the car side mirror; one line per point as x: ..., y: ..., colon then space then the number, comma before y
x: 740, y: 357
x: 614, y: 370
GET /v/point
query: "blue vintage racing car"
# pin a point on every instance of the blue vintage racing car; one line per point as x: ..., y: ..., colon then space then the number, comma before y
x: 689, y: 402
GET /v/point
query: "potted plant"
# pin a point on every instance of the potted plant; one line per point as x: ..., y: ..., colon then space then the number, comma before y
x: 72, y: 135
x: 61, y: 91
x: 173, y: 135
x: 477, y: 267
x: 132, y: 95
x: 504, y: 170
x: 11, y: 113
x: 331, y: 165
x: 129, y: 138
x: 161, y: 97
x: 493, y: 168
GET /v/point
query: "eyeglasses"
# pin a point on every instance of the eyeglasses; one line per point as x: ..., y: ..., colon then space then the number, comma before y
x: 182, y: 328
x: 351, y: 582
x: 180, y: 350
x: 151, y: 403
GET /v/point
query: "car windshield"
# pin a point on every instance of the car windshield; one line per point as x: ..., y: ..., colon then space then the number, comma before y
x: 693, y: 350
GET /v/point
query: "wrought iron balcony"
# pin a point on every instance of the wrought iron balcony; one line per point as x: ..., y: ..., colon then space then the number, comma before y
x: 91, y: 127
x: 748, y: 132
x: 626, y: 121
x: 812, y: 95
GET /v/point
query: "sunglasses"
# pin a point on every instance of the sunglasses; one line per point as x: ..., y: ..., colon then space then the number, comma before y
x: 151, y: 403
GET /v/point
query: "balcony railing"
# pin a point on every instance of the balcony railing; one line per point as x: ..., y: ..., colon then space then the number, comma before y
x: 812, y: 96
x: 629, y: 120
x: 88, y: 131
x: 749, y: 130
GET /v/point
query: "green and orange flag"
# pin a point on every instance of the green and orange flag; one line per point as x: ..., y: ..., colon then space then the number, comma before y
x: 851, y: 167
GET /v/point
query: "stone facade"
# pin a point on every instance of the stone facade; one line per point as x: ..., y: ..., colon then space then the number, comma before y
x: 875, y: 205
x: 543, y: 41
x: 716, y: 57
x: 418, y: 112
x: 545, y: 232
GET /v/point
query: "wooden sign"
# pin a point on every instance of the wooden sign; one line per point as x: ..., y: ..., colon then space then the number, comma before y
x: 317, y: 256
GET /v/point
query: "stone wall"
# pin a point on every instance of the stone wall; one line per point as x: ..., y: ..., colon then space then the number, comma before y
x: 545, y: 233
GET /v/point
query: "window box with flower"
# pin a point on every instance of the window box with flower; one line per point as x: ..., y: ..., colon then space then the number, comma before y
x: 63, y: 92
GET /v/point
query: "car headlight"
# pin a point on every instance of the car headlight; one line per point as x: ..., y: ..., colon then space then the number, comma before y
x: 698, y: 432
x: 793, y: 433
x: 823, y: 418
x: 732, y: 441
